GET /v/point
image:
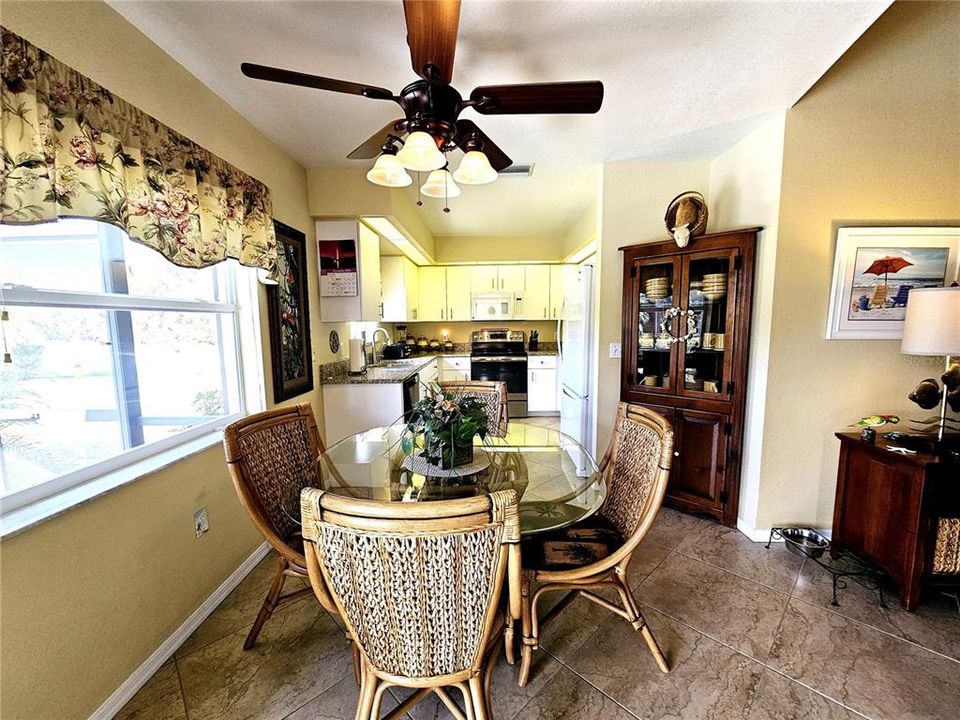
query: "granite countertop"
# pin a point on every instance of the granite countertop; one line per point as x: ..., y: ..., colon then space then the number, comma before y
x: 395, y: 371
x: 543, y: 352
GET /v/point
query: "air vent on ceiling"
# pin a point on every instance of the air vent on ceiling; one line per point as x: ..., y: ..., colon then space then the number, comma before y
x: 518, y: 169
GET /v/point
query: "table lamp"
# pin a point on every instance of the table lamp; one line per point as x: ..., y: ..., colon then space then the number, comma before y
x: 932, y: 327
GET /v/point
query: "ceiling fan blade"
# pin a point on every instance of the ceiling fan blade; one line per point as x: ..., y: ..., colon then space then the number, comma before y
x: 497, y: 157
x: 291, y: 77
x: 371, y: 146
x: 535, y: 98
x: 432, y: 36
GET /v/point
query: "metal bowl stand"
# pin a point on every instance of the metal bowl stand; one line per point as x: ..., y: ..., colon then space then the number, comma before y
x: 860, y: 572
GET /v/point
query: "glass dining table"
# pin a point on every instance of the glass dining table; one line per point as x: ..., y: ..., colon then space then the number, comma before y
x: 557, y: 481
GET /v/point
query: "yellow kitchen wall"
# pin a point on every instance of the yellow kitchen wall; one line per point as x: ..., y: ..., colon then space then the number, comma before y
x: 635, y: 195
x: 875, y: 140
x: 87, y: 596
x: 499, y: 248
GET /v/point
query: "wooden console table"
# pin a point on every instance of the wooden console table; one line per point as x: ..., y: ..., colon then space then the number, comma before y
x: 887, y: 507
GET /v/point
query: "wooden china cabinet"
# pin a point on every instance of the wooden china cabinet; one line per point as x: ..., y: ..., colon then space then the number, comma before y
x: 686, y: 340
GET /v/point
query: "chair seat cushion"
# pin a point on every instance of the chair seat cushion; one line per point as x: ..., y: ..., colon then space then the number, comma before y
x: 571, y: 547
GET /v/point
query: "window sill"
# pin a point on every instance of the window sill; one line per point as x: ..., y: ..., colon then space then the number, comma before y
x: 29, y: 516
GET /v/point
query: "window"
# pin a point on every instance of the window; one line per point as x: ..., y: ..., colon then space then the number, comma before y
x: 117, y: 354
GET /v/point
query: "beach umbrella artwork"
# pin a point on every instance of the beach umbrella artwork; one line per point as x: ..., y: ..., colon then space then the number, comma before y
x: 886, y: 265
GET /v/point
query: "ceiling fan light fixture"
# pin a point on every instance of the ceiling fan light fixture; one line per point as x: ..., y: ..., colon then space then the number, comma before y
x: 388, y: 171
x: 440, y: 184
x: 475, y: 169
x: 420, y: 153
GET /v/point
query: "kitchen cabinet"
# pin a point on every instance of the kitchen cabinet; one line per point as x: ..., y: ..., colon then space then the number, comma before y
x: 483, y: 278
x: 458, y: 292
x: 536, y: 297
x: 454, y: 369
x: 559, y: 279
x: 432, y: 293
x: 686, y: 338
x: 430, y: 373
x: 511, y: 278
x: 399, y: 289
x: 542, y: 390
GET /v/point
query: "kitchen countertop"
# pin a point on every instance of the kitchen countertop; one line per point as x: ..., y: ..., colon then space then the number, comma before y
x: 542, y: 352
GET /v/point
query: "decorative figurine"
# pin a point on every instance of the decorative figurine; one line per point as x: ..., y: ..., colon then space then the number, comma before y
x: 686, y: 217
x: 926, y: 394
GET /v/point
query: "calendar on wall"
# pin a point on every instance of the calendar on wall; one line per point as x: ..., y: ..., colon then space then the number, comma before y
x: 338, y: 268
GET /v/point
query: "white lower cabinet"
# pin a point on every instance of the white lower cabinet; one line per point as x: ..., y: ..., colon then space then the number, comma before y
x: 542, y: 377
x: 454, y: 369
x: 431, y: 373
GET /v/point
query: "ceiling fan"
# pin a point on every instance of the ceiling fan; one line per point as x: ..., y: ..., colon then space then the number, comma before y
x: 432, y: 125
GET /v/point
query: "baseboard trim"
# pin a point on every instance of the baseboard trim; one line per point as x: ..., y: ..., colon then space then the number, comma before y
x: 763, y: 534
x: 122, y: 695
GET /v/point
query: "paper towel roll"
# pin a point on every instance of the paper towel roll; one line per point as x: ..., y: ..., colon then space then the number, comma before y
x: 358, y: 358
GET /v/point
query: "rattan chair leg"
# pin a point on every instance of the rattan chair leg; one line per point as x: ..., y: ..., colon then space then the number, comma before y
x: 357, y: 661
x: 509, y: 647
x: 269, y: 605
x: 467, y: 700
x: 377, y: 701
x: 528, y: 641
x: 654, y: 648
x: 368, y: 691
x: 479, y: 697
x: 449, y: 702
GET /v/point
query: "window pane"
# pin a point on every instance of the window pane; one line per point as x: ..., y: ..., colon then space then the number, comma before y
x: 54, y: 256
x: 185, y: 368
x: 58, y: 402
x: 149, y: 273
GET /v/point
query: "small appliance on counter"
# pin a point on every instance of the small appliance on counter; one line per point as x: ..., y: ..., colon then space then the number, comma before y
x: 396, y: 351
x: 534, y: 340
x: 448, y: 345
x: 434, y: 345
x: 422, y: 343
x: 358, y: 356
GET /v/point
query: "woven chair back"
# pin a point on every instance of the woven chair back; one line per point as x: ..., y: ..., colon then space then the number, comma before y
x: 417, y: 584
x: 272, y: 456
x: 493, y: 396
x: 640, y: 455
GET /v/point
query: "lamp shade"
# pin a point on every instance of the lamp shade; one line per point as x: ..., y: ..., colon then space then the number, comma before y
x: 475, y: 169
x: 389, y: 172
x: 420, y: 153
x: 440, y: 184
x: 932, y: 325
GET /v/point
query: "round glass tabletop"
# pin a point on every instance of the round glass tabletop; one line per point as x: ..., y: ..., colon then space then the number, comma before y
x: 556, y: 479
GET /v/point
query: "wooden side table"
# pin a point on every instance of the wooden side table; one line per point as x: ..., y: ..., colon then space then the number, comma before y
x: 887, y: 507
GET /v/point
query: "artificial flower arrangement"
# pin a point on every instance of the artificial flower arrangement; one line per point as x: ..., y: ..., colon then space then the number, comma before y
x: 444, y: 427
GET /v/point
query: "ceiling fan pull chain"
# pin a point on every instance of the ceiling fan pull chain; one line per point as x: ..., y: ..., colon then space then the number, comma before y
x: 446, y: 200
x: 419, y: 191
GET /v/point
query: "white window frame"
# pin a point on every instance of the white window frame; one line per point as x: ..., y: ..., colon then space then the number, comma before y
x: 243, y: 305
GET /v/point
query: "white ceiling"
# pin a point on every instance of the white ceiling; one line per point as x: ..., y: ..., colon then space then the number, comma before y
x: 683, y: 80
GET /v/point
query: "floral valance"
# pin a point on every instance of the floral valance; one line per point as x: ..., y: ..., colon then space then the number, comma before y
x: 73, y: 149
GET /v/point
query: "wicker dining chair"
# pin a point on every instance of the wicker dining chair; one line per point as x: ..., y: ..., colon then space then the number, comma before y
x: 418, y: 586
x: 272, y: 456
x: 493, y: 395
x: 594, y: 555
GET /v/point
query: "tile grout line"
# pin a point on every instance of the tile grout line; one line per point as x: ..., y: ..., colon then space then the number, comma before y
x: 580, y: 677
x: 183, y: 694
x: 736, y: 574
x: 756, y: 660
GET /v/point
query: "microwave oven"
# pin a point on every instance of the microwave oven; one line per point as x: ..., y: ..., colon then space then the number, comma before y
x: 493, y: 306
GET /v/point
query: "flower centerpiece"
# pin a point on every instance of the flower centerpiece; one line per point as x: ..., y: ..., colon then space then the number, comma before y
x: 443, y: 427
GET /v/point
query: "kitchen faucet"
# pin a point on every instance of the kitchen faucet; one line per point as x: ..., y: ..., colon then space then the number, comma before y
x: 373, y: 343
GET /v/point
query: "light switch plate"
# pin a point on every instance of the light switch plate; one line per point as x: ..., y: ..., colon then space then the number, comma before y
x: 615, y: 350
x: 200, y: 522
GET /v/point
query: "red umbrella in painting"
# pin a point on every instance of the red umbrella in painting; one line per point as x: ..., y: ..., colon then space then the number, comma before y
x: 886, y: 265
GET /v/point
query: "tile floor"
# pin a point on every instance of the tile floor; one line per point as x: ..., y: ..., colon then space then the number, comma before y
x: 749, y: 633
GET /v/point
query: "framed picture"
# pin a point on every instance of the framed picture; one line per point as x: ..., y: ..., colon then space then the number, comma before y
x: 874, y: 270
x: 288, y: 306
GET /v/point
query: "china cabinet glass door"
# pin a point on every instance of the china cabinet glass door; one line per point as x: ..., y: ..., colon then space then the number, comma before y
x: 709, y: 285
x: 656, y: 288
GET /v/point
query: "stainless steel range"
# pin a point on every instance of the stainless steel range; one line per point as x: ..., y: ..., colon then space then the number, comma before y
x: 501, y: 354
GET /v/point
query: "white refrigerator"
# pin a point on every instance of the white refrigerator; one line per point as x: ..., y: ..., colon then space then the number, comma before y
x: 575, y: 338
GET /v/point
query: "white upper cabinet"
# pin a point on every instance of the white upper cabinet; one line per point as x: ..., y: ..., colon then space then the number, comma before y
x: 433, y: 293
x: 364, y: 305
x: 458, y: 292
x: 511, y: 277
x: 559, y: 279
x: 399, y: 289
x: 483, y: 278
x: 536, y: 296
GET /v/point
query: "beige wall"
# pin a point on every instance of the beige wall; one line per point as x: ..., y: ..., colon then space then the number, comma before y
x: 875, y: 140
x: 635, y: 196
x: 506, y: 248
x: 745, y: 192
x: 582, y: 231
x: 87, y: 596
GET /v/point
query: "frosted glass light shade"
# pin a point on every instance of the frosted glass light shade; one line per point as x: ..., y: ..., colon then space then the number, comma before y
x: 932, y: 324
x: 389, y: 172
x: 475, y: 169
x: 420, y: 152
x: 440, y: 184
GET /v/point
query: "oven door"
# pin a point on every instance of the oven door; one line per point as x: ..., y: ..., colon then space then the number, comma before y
x: 512, y: 371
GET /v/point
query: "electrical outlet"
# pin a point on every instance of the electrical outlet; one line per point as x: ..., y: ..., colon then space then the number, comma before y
x: 615, y: 350
x: 200, y: 522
